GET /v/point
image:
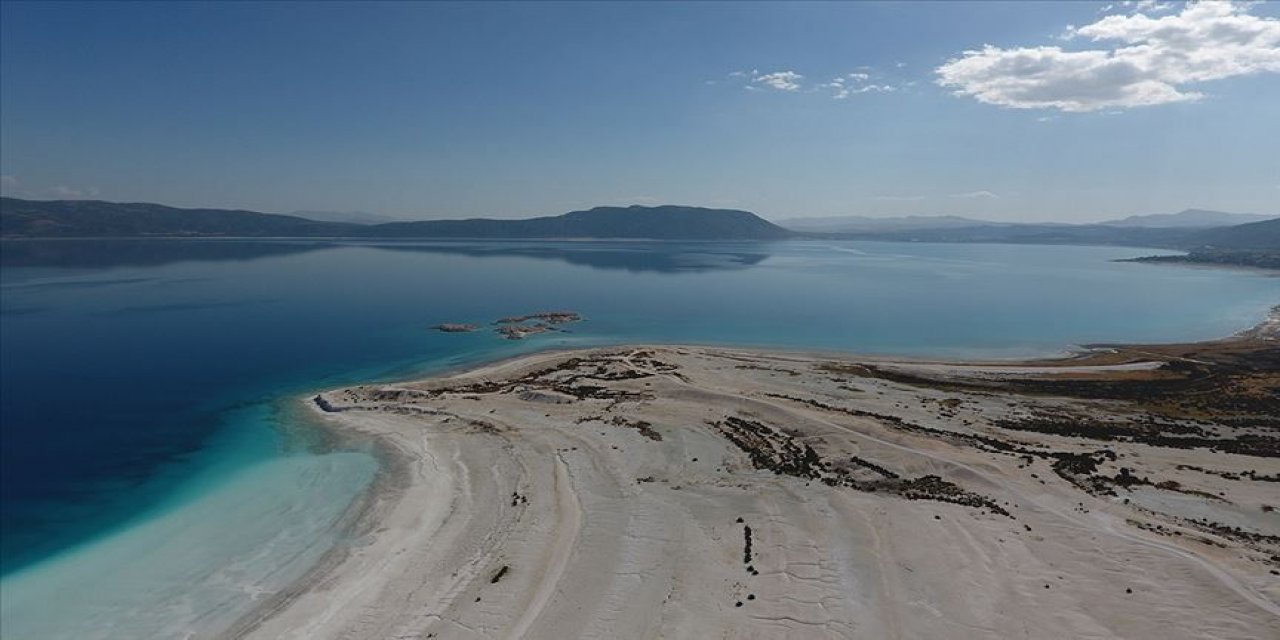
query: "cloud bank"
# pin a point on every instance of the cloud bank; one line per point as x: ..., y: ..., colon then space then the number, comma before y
x: 1151, y: 60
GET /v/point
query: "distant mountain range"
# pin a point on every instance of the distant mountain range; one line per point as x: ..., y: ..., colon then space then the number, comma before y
x: 1190, y: 218
x: 1199, y: 231
x: 92, y: 218
x: 1096, y: 234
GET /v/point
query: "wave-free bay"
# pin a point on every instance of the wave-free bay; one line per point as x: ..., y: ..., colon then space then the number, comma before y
x: 155, y: 480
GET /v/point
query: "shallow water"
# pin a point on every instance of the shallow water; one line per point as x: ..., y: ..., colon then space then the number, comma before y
x: 145, y: 464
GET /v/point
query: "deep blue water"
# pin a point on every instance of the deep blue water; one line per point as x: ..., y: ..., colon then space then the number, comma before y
x: 129, y: 367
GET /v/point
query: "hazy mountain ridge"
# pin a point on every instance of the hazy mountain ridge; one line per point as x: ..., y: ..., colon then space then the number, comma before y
x: 1185, y: 219
x: 851, y: 224
x: 1035, y: 234
x: 1189, y: 218
x: 1263, y: 235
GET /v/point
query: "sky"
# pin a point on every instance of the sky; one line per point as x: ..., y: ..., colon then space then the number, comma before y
x: 1031, y: 111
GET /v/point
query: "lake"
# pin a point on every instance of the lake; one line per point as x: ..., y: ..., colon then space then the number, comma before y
x: 157, y: 479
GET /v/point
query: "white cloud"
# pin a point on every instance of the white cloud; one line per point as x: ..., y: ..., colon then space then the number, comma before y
x: 779, y: 80
x: 9, y: 184
x: 854, y: 83
x: 976, y: 195
x: 843, y: 93
x: 840, y: 87
x: 1151, y: 63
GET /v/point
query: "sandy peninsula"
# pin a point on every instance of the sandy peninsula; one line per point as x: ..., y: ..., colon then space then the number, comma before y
x: 682, y: 492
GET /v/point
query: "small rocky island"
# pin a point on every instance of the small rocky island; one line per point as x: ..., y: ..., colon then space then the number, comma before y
x: 456, y: 327
x: 518, y: 327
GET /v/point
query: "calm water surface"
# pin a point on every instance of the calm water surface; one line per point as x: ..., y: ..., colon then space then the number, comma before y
x: 145, y: 441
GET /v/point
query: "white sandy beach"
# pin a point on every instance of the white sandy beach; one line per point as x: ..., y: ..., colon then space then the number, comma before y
x: 612, y: 493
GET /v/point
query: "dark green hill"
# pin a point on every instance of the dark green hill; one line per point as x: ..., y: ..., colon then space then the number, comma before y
x: 95, y: 219
x: 666, y: 222
x: 1257, y: 236
x: 1256, y: 244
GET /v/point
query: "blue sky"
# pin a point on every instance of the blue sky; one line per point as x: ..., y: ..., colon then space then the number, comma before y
x: 513, y: 110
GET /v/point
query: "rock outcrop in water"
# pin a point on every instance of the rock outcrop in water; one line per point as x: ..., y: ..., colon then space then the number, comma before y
x: 519, y: 327
x: 456, y: 327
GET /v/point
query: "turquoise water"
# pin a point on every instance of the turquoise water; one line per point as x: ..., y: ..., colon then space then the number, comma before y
x: 153, y: 480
